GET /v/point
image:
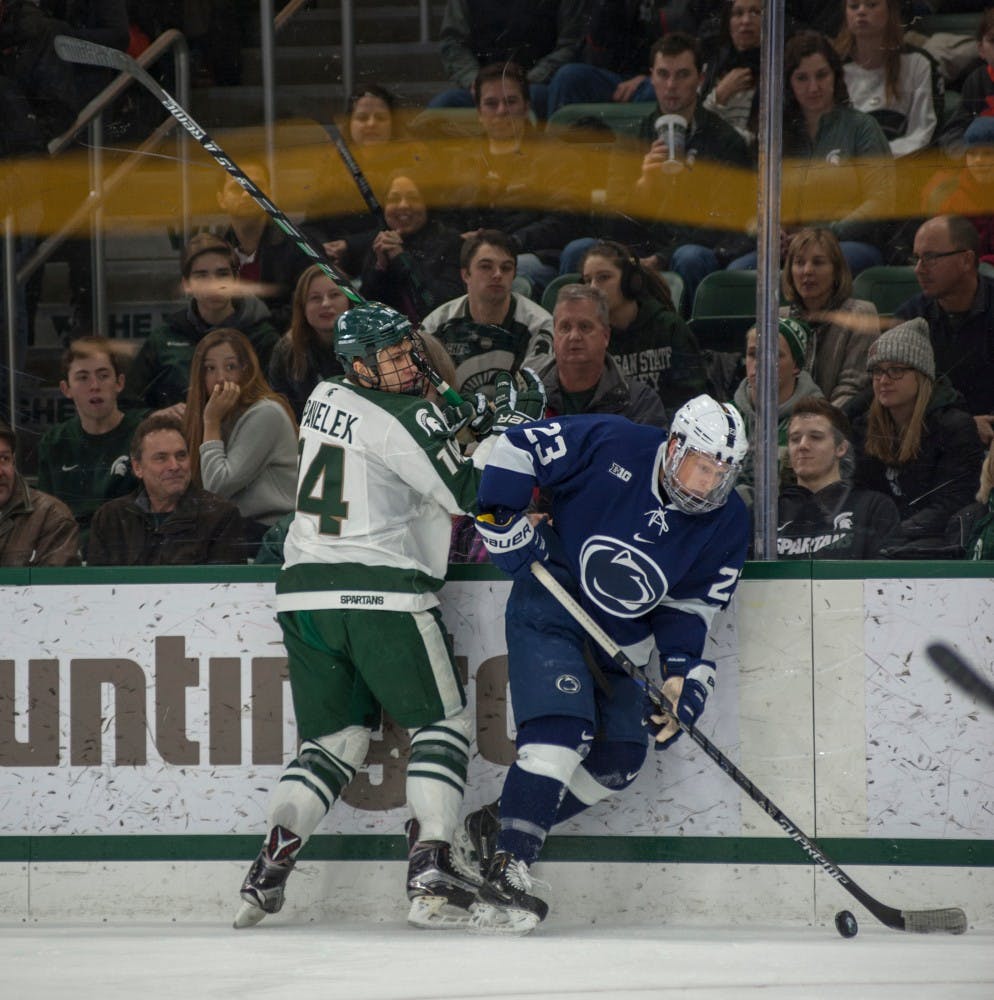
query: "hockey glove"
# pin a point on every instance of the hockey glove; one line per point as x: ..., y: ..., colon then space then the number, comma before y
x: 513, y: 407
x: 474, y: 413
x: 513, y: 545
x: 687, y: 691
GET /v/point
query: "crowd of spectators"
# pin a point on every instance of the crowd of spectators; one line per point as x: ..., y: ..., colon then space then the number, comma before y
x: 188, y: 452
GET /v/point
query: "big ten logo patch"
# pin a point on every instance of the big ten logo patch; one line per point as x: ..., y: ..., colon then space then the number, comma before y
x: 117, y: 695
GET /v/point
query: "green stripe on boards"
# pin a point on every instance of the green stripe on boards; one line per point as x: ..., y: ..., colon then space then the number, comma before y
x: 393, y: 847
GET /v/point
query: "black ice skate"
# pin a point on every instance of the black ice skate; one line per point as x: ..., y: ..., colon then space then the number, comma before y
x: 504, y: 902
x: 440, y: 894
x: 263, y: 888
x: 475, y: 842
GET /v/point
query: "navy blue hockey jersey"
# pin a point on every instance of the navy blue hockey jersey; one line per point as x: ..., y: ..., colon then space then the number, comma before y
x: 649, y: 574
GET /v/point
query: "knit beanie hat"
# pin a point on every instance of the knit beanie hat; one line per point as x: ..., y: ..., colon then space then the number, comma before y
x: 796, y: 334
x: 907, y: 344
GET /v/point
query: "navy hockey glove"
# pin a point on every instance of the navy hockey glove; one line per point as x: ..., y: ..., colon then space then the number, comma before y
x: 513, y: 545
x: 474, y: 413
x: 687, y: 691
x: 512, y: 406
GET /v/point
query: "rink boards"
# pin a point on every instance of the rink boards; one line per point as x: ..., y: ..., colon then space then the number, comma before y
x: 145, y: 715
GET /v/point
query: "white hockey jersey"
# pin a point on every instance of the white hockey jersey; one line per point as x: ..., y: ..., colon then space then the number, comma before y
x: 378, y: 480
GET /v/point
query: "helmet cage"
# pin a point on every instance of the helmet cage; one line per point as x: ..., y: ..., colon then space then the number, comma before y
x: 715, y: 431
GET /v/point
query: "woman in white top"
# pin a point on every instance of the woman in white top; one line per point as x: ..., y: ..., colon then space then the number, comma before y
x: 241, y: 434
x: 898, y: 85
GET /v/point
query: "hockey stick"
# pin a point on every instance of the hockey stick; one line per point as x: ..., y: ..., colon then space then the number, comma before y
x: 78, y: 50
x: 376, y: 210
x: 961, y: 673
x: 951, y: 919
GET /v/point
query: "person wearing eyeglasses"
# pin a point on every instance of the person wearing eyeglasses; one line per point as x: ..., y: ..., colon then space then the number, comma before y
x: 916, y: 442
x: 957, y: 302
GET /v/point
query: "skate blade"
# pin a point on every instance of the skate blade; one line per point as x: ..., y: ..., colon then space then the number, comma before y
x: 248, y: 916
x: 435, y: 913
x: 487, y: 919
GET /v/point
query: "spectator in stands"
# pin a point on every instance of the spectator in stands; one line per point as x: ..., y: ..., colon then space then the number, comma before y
x: 413, y: 265
x: 509, y: 163
x: 842, y: 160
x: 305, y: 354
x: 490, y: 329
x: 538, y: 35
x: 167, y: 521
x: 582, y: 377
x: 242, y: 436
x: 822, y: 515
x: 899, y: 85
x: 160, y: 374
x: 336, y: 214
x: 35, y: 529
x: 265, y: 254
x: 615, y: 56
x: 958, y: 304
x: 981, y: 542
x: 817, y: 285
x: 977, y: 93
x: 969, y: 191
x: 665, y: 185
x: 85, y: 460
x: 731, y: 82
x: 793, y: 385
x: 916, y: 441
x: 649, y: 341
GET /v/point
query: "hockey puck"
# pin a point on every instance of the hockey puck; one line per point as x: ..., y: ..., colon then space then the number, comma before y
x: 845, y: 924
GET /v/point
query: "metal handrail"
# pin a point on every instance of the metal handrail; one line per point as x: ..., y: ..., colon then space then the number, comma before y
x: 91, y: 118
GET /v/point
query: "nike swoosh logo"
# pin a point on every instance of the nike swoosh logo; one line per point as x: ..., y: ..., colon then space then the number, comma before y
x: 644, y: 541
x: 786, y: 524
x: 631, y: 776
x: 69, y: 468
x: 586, y: 737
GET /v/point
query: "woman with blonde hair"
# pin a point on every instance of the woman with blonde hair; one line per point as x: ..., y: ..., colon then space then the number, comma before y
x: 916, y: 442
x: 242, y: 436
x: 305, y: 354
x: 817, y: 285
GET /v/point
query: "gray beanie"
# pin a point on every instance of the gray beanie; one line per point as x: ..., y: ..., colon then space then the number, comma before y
x: 907, y: 344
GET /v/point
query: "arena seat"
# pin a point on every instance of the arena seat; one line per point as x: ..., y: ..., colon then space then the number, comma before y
x: 886, y: 286
x: 723, y: 309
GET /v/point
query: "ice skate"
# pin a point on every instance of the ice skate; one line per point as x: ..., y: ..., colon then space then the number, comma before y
x: 263, y: 889
x: 475, y: 841
x: 504, y: 902
x: 440, y: 894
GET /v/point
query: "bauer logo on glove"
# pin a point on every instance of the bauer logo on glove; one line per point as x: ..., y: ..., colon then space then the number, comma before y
x: 512, y: 544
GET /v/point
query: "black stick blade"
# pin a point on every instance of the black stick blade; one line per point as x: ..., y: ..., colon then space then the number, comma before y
x: 961, y: 673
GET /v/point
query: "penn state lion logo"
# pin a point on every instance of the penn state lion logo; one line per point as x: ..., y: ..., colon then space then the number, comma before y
x: 620, y: 579
x: 430, y: 424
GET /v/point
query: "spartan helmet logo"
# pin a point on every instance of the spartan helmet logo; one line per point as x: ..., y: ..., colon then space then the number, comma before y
x: 430, y: 424
x: 620, y: 579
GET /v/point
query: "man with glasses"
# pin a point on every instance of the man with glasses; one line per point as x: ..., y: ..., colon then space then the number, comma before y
x: 957, y: 301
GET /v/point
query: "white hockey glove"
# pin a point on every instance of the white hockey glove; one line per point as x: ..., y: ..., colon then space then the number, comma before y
x: 513, y: 545
x: 514, y: 407
x: 687, y: 691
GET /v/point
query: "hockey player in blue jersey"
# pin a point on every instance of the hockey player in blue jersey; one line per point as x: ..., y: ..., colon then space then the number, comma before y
x: 648, y: 534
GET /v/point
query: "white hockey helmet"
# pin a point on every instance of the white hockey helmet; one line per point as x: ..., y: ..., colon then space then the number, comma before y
x: 706, y: 427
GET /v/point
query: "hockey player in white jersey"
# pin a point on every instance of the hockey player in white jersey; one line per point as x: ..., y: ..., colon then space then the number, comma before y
x: 648, y: 534
x: 379, y: 479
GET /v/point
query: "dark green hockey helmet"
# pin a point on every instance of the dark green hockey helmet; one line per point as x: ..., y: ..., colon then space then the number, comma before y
x: 366, y: 329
